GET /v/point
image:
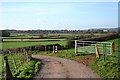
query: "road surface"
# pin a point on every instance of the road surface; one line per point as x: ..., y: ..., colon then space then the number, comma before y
x: 54, y: 67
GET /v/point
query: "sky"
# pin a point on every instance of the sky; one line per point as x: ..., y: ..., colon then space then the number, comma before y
x: 58, y: 15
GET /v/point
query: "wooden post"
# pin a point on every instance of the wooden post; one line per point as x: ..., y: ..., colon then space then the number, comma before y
x: 75, y: 46
x: 97, y: 53
x: 22, y: 50
x: 9, y: 52
x: 62, y: 50
x: 105, y: 49
x: 49, y: 49
x: 19, y: 58
x: 103, y: 54
x: 15, y: 51
x: 14, y: 63
x: 112, y: 46
x: 53, y: 49
x: 27, y: 56
x: 67, y: 50
x: 45, y: 49
x: 56, y: 49
x: 8, y: 74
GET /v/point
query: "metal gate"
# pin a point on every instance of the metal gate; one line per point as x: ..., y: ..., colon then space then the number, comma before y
x: 90, y: 47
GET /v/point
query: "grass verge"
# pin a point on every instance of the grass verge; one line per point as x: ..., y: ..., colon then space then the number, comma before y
x: 26, y: 71
x: 109, y: 68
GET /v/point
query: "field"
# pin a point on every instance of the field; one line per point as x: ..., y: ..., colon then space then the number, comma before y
x: 107, y: 69
x: 62, y: 42
x: 57, y: 35
x: 32, y: 39
x: 24, y: 44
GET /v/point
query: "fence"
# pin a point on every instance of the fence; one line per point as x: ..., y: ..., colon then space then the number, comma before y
x: 17, y: 58
x: 23, y: 54
x: 91, y: 46
x: 0, y: 64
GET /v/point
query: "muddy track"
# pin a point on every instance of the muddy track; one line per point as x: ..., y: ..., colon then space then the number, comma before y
x: 54, y: 67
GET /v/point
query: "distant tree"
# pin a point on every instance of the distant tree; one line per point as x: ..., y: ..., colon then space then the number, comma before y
x: 70, y: 42
x: 4, y: 33
x: 90, y: 35
x: 40, y: 35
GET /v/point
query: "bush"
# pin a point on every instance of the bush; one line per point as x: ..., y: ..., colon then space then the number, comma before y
x: 4, y: 33
x: 109, y: 36
x: 70, y: 43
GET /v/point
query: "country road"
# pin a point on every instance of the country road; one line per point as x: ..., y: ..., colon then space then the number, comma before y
x: 54, y: 67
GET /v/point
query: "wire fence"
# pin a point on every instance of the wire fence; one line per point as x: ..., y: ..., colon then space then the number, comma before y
x: 13, y: 61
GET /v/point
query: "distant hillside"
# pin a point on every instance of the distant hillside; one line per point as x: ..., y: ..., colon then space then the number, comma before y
x: 100, y: 30
x: 108, y: 29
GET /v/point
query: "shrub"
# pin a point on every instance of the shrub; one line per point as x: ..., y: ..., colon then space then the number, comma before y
x: 109, y: 36
x: 70, y: 43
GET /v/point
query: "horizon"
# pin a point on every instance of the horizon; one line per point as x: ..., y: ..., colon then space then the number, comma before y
x: 62, y: 29
x: 59, y: 15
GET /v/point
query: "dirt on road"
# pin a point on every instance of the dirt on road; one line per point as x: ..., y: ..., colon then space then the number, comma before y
x: 54, y: 67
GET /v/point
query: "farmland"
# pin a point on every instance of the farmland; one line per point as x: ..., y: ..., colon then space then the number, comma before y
x: 19, y: 41
x: 88, y: 59
x: 32, y: 39
x: 24, y: 44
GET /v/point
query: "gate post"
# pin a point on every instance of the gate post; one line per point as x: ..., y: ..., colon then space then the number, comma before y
x: 56, y: 49
x: 75, y: 46
x: 46, y: 49
x: 53, y: 49
x: 112, y: 46
x: 97, y: 53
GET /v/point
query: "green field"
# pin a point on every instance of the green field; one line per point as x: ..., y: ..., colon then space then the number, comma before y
x: 107, y: 69
x: 55, y: 35
x: 19, y: 37
x: 24, y: 44
x: 31, y: 39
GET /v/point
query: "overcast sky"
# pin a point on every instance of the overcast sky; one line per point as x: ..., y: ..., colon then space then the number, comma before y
x: 59, y: 15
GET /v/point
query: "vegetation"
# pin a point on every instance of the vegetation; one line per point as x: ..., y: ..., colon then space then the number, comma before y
x: 109, y: 68
x: 24, y: 44
x: 32, y: 39
x: 27, y: 70
x: 4, y: 33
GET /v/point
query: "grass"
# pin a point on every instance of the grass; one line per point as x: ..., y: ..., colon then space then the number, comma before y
x: 21, y: 37
x: 109, y: 68
x: 24, y: 44
x: 91, y: 48
x: 63, y: 54
x: 31, y: 39
x: 0, y: 65
x: 28, y: 70
x: 67, y: 54
x: 55, y: 35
